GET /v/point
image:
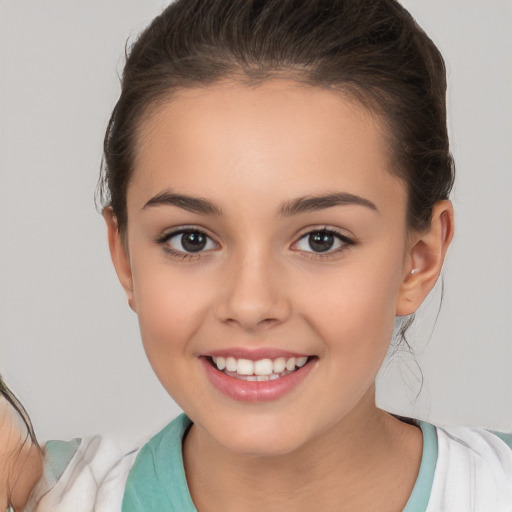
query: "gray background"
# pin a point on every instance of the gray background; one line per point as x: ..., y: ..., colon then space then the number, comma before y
x: 69, y: 344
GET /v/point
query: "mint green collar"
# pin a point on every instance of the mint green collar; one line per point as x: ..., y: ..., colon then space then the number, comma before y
x: 157, y: 480
x: 420, y: 495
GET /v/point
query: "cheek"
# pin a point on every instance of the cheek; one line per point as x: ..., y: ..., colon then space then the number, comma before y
x: 354, y: 311
x: 355, y: 322
x: 170, y: 309
x: 170, y: 306
x: 31, y: 466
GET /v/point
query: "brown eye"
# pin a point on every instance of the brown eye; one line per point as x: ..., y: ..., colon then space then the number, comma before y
x: 193, y: 241
x: 189, y: 241
x: 323, y: 241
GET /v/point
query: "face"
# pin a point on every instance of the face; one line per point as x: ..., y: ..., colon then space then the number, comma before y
x: 21, y: 463
x: 267, y: 249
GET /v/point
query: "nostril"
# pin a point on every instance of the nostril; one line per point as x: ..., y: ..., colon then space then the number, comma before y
x: 252, y: 304
x: 269, y: 321
x: 262, y: 324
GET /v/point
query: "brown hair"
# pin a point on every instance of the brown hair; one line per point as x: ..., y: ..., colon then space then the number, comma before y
x: 372, y: 50
x: 11, y: 398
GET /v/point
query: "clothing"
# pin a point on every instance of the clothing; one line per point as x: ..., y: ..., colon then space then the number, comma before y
x: 160, y: 461
x: 83, y: 475
x: 462, y: 470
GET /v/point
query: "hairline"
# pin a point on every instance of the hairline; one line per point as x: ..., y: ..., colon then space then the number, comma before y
x: 350, y: 91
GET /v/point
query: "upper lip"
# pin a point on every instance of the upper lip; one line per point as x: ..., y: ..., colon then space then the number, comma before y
x: 254, y: 354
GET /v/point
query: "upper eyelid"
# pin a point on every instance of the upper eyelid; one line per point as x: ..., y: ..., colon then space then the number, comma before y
x: 315, y: 229
x: 170, y: 232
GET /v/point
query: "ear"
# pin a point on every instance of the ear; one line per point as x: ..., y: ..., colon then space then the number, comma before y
x: 119, y: 254
x: 424, y: 260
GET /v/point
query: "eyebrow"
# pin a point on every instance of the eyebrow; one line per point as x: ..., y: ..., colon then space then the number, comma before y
x: 189, y: 203
x: 314, y: 203
x: 296, y: 206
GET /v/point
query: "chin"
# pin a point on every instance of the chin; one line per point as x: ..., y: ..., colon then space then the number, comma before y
x: 263, y: 446
x: 257, y: 436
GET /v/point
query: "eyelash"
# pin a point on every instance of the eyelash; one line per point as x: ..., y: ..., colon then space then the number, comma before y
x: 164, y: 242
x: 344, y: 243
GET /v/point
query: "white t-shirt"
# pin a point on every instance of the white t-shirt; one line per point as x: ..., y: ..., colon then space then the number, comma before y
x: 462, y: 470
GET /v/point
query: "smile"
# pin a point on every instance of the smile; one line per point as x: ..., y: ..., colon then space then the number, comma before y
x: 257, y: 380
x: 261, y: 370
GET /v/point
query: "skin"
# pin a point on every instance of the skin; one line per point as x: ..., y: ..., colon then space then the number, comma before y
x: 21, y: 462
x: 251, y: 150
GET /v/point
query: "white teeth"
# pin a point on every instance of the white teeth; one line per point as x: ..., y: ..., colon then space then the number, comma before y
x: 279, y: 365
x: 245, y: 367
x: 231, y: 364
x: 263, y: 367
x: 290, y: 364
x: 301, y: 361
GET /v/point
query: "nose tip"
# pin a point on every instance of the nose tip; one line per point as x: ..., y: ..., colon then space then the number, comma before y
x: 252, y: 319
x: 254, y: 298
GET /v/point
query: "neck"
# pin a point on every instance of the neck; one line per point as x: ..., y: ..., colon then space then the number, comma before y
x: 368, y: 459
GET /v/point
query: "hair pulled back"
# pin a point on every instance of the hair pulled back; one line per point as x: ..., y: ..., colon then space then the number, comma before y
x: 372, y: 50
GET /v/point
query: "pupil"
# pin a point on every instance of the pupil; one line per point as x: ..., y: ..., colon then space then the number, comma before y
x: 193, y: 241
x: 321, y: 241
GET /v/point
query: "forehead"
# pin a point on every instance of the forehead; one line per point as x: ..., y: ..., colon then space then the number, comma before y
x: 278, y: 138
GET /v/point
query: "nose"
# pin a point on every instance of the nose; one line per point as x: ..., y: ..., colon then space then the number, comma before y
x: 254, y: 295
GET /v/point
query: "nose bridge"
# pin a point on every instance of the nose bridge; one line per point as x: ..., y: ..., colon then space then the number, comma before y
x: 254, y: 295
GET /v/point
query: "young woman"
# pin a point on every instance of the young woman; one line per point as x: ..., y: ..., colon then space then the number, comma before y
x: 276, y: 189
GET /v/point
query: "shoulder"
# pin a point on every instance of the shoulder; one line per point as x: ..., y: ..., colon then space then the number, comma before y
x: 473, y: 471
x: 83, y: 475
x: 96, y: 473
x: 485, y: 449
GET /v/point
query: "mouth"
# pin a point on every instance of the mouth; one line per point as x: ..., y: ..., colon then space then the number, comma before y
x: 261, y: 370
x: 257, y: 380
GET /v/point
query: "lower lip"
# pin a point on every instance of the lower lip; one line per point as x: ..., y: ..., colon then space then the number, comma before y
x: 254, y: 391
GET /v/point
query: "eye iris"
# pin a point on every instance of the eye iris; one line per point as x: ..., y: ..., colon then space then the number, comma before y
x: 193, y: 241
x: 321, y: 241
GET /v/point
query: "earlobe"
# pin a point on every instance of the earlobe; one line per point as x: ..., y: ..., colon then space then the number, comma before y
x: 425, y: 257
x: 119, y: 254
